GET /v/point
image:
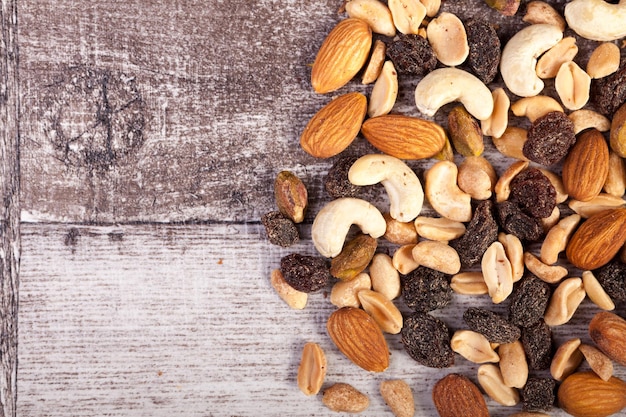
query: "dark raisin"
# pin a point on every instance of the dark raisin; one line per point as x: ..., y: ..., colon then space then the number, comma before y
x: 305, y: 273
x: 533, y: 192
x: 280, y: 230
x: 608, y: 93
x: 514, y: 221
x: 481, y: 232
x: 427, y: 340
x: 549, y: 138
x: 425, y: 289
x: 538, y: 394
x: 336, y: 182
x: 537, y: 342
x: 612, y: 277
x: 528, y: 301
x: 484, y: 44
x: 412, y: 55
x: 495, y: 328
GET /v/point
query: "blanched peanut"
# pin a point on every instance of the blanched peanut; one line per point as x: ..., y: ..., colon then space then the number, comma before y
x: 503, y: 186
x: 477, y: 177
x: 557, y: 238
x: 541, y: 12
x: 385, y: 91
x: 447, y: 36
x: 550, y: 62
x: 473, y: 346
x: 585, y: 119
x: 344, y: 293
x: 294, y: 298
x: 615, y: 183
x: 400, y: 233
x: 438, y: 256
x: 385, y: 277
x: 432, y: 7
x: 572, y: 85
x: 548, y: 273
x: 497, y: 272
x: 513, y: 364
x: 439, y: 228
x: 490, y: 379
x: 604, y: 60
x: 403, y: 259
x: 312, y: 369
x: 597, y: 204
x: 376, y: 62
x: 384, y: 312
x: 512, y: 142
x: 469, y: 283
x: 534, y: 107
x: 596, y: 292
x: 566, y: 359
x: 514, y: 252
x: 564, y: 301
x: 497, y: 123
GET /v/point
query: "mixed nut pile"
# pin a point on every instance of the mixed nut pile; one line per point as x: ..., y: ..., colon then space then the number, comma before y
x: 501, y: 236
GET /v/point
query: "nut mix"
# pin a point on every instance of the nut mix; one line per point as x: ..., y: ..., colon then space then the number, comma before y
x: 468, y: 221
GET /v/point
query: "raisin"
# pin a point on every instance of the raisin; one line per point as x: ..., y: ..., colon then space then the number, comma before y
x: 529, y: 301
x: 305, y: 273
x: 609, y: 93
x: 538, y: 394
x: 425, y: 289
x: 514, y: 221
x: 537, y: 342
x: 612, y: 277
x: 495, y: 328
x: 549, y: 138
x: 481, y: 232
x: 427, y: 340
x: 484, y: 45
x: 533, y: 192
x: 336, y: 182
x: 280, y: 230
x: 412, y: 55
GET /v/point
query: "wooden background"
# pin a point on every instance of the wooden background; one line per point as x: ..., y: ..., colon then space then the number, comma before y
x: 150, y: 132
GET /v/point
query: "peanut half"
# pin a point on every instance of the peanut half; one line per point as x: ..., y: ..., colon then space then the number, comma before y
x: 438, y: 256
x: 564, y: 301
x: 385, y: 277
x: 294, y: 298
x: 596, y: 292
x: 497, y: 272
x: 344, y: 293
x: 490, y: 378
x: 566, y: 359
x: 384, y: 312
x: 312, y: 370
x: 513, y: 364
x: 473, y: 346
x: 469, y: 283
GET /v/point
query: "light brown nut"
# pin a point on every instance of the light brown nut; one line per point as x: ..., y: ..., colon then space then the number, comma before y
x: 598, y: 361
x: 550, y: 62
x: 444, y: 194
x: 294, y: 298
x: 596, y: 292
x: 375, y: 13
x: 432, y: 7
x: 473, y: 346
x: 548, y: 273
x: 385, y: 91
x: 586, y: 166
x: 585, y: 119
x: 604, y: 60
x: 514, y: 252
x: 490, y: 379
x: 618, y: 132
x: 497, y: 123
x: 469, y: 283
x: 564, y: 301
x: 291, y: 196
x: 400, y: 233
x: 407, y: 15
x: 375, y: 63
x: 447, y: 36
x: 399, y: 397
x: 513, y: 364
x: 385, y: 277
x: 438, y: 228
x: 566, y: 359
x: 312, y: 369
x: 541, y: 12
x: 596, y: 205
x: 512, y: 142
x: 345, y: 398
x: 497, y: 272
x: 355, y: 256
x: 465, y: 132
x: 503, y: 186
x: 549, y: 222
x: 344, y: 293
x: 477, y: 177
x: 403, y: 259
x: 534, y: 107
x: 557, y: 238
x: 615, y: 183
x: 572, y: 85
x: 438, y: 256
x: 384, y: 312
x: 557, y: 183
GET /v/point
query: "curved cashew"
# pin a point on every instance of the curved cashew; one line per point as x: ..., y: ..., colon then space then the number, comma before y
x: 596, y: 19
x: 444, y: 194
x: 519, y: 58
x: 402, y: 185
x: 332, y: 223
x: 445, y: 85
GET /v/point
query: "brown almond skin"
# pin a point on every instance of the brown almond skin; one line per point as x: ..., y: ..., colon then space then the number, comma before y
x: 584, y: 394
x: 341, y: 56
x: 455, y: 395
x: 357, y: 336
x: 335, y: 126
x: 586, y: 166
x: 598, y: 239
x: 404, y: 137
x: 608, y: 332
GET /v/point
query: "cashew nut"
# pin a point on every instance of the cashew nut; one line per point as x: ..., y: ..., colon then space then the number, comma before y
x: 404, y: 189
x: 332, y: 223
x: 445, y: 85
x: 444, y: 194
x: 596, y: 19
x: 519, y: 58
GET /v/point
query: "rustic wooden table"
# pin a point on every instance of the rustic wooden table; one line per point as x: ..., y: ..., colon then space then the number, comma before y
x: 139, y: 143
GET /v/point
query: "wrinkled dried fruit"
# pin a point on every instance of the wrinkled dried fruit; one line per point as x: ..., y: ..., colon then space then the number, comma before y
x: 427, y: 340
x: 609, y: 93
x: 537, y: 342
x: 538, y: 394
x: 481, y: 232
x: 484, y: 44
x: 305, y: 273
x: 514, y: 221
x: 336, y: 182
x: 533, y: 192
x: 425, y: 289
x: 412, y: 55
x: 612, y: 277
x: 456, y: 395
x: 354, y: 257
x: 529, y: 301
x: 494, y: 327
x: 549, y: 138
x: 280, y: 230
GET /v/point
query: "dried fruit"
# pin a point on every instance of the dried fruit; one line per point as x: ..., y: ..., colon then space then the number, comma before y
x: 427, y: 340
x: 549, y: 138
x: 425, y: 289
x: 455, y: 395
x: 494, y: 327
x: 586, y: 166
x: 484, y: 44
x: 529, y: 301
x: 291, y: 196
x: 280, y: 230
x: 612, y: 278
x: 312, y: 369
x: 354, y: 257
x: 345, y: 398
x: 609, y: 93
x: 533, y: 192
x: 514, y: 221
x: 412, y: 55
x: 538, y: 394
x: 481, y: 232
x: 305, y: 273
x: 584, y: 394
x: 537, y: 342
x: 399, y: 397
x: 608, y: 331
x: 336, y: 182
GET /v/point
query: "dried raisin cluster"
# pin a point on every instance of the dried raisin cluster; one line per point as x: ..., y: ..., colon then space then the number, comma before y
x: 425, y: 289
x: 427, y: 340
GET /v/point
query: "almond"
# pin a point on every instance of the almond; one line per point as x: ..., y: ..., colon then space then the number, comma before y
x: 455, y: 395
x: 608, y: 331
x: 584, y: 394
x: 404, y: 137
x: 357, y: 336
x: 341, y: 56
x: 586, y: 166
x: 334, y: 126
x: 598, y: 239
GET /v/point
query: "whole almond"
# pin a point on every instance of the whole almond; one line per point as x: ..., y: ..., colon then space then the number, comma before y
x: 584, y: 394
x: 404, y: 137
x: 341, y: 56
x: 334, y: 126
x: 586, y: 166
x: 357, y: 336
x: 598, y: 239
x: 455, y: 395
x: 608, y: 332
